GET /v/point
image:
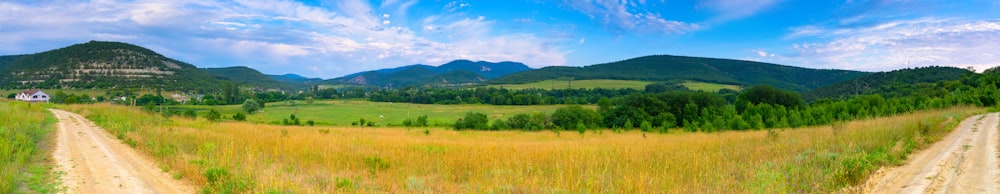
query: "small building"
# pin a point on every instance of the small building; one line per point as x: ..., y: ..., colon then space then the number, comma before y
x: 32, y: 96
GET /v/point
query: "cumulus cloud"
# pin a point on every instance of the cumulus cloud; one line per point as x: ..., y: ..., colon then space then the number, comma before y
x: 902, y: 43
x: 274, y: 36
x: 627, y: 17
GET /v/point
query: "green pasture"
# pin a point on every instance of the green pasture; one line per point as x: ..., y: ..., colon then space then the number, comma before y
x: 344, y: 112
x: 708, y: 87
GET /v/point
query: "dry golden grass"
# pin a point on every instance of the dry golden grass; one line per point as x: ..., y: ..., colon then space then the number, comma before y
x: 264, y: 158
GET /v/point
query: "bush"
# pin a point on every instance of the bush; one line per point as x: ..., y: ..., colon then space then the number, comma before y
x: 239, y: 117
x: 190, y: 114
x: 213, y: 115
x: 477, y: 121
x: 251, y: 106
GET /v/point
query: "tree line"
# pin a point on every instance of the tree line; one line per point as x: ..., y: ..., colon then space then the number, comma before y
x: 759, y: 107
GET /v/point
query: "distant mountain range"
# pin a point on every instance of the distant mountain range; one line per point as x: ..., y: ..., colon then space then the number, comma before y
x: 674, y: 68
x: 98, y: 64
x: 457, y: 72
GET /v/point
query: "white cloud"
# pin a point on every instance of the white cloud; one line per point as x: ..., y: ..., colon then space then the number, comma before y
x: 274, y: 36
x: 904, y: 43
x: 624, y: 17
x: 735, y: 9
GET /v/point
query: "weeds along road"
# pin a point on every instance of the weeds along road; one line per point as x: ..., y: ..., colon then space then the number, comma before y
x: 964, y: 161
x: 93, y: 162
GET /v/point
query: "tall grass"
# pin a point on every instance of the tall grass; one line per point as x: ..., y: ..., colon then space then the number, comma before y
x: 263, y: 158
x: 25, y: 131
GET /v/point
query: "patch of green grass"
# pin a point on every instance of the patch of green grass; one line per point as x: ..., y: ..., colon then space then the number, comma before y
x: 26, y: 132
x: 708, y: 87
x: 576, y: 84
x: 344, y: 112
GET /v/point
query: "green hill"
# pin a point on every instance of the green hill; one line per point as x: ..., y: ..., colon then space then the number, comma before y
x: 97, y: 64
x: 892, y: 83
x: 677, y: 68
x: 248, y: 77
x: 458, y: 72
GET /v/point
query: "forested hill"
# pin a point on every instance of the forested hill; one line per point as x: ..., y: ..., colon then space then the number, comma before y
x: 666, y: 68
x: 248, y: 77
x: 455, y: 72
x: 97, y: 64
x: 901, y: 82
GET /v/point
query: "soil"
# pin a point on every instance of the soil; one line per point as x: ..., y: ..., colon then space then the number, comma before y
x: 964, y: 161
x: 90, y: 160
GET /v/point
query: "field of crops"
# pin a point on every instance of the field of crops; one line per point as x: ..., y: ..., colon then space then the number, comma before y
x: 239, y: 156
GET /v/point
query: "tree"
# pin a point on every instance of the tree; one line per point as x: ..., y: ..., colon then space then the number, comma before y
x: 473, y: 120
x: 309, y: 100
x: 251, y: 106
x: 213, y: 115
x: 239, y: 117
x: 568, y: 117
x: 764, y: 94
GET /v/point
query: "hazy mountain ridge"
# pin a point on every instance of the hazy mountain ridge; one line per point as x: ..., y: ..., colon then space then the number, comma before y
x: 248, y: 77
x: 457, y: 72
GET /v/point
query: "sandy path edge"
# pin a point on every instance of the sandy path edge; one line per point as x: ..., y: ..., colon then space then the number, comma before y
x: 94, y: 162
x: 964, y: 161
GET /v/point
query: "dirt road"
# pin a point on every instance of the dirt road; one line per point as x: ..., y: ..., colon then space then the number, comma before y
x: 964, y: 161
x: 94, y: 162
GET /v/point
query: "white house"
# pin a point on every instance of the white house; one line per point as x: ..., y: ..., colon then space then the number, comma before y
x: 32, y: 96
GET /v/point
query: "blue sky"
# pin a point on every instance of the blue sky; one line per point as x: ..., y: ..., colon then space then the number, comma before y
x: 333, y: 38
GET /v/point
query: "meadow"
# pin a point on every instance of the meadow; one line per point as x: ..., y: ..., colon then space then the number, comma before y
x: 708, y: 87
x: 239, y: 156
x: 345, y: 112
x: 26, y: 131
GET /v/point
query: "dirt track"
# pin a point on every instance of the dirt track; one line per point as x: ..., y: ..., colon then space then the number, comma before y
x: 964, y: 161
x: 94, y: 162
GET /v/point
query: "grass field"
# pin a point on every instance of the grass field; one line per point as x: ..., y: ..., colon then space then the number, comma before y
x: 708, y: 87
x: 234, y: 156
x: 343, y: 112
x: 26, y: 131
x: 576, y: 84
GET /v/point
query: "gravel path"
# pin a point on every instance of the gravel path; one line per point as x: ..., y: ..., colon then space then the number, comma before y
x: 964, y: 161
x: 94, y: 162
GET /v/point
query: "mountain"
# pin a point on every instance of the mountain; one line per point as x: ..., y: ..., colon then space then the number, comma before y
x: 890, y: 83
x: 248, y: 77
x: 673, y: 68
x: 4, y: 60
x: 455, y: 72
x: 98, y: 64
x: 294, y: 78
x: 486, y: 69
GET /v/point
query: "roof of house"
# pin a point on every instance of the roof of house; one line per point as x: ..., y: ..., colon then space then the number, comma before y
x: 30, y: 91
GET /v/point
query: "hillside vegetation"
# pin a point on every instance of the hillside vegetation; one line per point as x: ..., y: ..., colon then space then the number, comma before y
x: 98, y: 64
x: 248, y: 77
x: 458, y: 72
x: 897, y: 83
x: 675, y: 68
x: 576, y: 84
